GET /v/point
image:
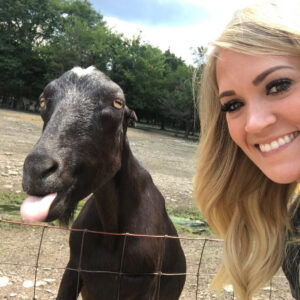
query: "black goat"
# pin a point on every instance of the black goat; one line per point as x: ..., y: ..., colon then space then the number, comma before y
x: 84, y: 149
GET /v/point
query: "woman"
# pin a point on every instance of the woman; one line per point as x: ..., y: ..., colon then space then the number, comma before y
x: 249, y: 162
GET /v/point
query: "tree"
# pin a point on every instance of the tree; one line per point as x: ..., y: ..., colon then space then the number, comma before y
x: 23, y: 26
x: 73, y: 44
x: 176, y: 105
x: 200, y: 59
x: 138, y: 68
x: 73, y: 10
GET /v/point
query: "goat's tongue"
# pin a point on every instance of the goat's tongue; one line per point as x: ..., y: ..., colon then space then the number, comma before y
x: 36, y: 209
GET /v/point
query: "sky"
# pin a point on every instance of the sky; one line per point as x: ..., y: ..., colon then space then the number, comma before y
x: 178, y: 25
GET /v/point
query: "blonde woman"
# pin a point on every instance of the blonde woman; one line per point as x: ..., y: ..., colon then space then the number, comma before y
x: 249, y: 153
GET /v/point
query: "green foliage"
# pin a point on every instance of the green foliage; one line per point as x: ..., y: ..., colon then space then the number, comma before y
x: 41, y: 39
x: 138, y: 68
x: 23, y: 26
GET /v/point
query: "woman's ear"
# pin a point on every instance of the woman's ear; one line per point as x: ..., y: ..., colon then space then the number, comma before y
x: 130, y: 116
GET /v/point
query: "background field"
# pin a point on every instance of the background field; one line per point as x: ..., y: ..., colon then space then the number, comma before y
x: 171, y: 162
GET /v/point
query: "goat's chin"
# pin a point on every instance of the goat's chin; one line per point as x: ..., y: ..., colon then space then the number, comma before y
x: 63, y: 208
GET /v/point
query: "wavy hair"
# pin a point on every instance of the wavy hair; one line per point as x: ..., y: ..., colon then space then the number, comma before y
x: 242, y: 205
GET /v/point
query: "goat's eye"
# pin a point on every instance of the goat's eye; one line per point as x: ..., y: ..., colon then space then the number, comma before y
x: 118, y: 104
x: 42, y: 102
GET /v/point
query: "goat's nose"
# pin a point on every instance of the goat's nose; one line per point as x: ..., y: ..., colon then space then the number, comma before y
x: 37, y: 172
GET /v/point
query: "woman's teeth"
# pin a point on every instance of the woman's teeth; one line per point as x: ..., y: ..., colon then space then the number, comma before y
x: 278, y: 143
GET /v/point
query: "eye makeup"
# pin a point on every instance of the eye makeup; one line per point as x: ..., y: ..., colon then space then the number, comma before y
x: 278, y: 86
x: 231, y: 106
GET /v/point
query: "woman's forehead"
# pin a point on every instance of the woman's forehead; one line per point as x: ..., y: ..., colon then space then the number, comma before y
x: 231, y: 64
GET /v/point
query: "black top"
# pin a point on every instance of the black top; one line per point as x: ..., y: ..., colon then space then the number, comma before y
x: 291, y: 260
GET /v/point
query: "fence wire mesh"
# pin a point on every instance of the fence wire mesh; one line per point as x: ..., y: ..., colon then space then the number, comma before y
x: 33, y: 258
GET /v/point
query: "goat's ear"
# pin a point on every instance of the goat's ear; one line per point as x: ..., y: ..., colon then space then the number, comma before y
x: 130, y: 116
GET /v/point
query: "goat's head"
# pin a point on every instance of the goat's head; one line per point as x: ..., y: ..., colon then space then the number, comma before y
x: 85, y: 120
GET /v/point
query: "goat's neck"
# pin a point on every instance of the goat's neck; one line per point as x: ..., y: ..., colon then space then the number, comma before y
x: 118, y: 196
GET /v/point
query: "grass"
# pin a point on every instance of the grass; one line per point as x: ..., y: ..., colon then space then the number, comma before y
x: 10, y: 204
x: 188, y: 221
x: 10, y: 207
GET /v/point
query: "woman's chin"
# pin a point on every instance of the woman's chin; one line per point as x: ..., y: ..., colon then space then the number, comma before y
x: 283, y: 177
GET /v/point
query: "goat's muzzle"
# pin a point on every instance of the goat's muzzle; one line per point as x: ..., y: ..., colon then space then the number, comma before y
x: 39, y: 174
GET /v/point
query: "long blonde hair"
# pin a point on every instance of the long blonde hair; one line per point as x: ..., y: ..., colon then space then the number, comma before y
x: 243, y: 206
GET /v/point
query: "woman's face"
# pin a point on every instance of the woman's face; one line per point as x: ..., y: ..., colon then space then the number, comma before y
x: 260, y: 96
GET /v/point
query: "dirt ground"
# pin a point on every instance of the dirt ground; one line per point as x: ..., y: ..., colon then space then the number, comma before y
x: 171, y: 162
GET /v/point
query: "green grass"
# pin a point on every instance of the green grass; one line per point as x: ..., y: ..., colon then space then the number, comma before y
x: 188, y: 221
x: 190, y: 213
x: 10, y: 207
x: 10, y: 203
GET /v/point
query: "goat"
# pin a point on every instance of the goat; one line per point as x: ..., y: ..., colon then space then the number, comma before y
x: 84, y: 150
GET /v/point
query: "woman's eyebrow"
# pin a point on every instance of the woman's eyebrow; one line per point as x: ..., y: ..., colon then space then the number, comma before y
x: 226, y: 94
x: 264, y: 74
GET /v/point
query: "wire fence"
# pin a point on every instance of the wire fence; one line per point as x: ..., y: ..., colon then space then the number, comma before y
x: 33, y: 258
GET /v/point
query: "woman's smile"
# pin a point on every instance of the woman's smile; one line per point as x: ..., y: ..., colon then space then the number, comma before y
x: 277, y: 143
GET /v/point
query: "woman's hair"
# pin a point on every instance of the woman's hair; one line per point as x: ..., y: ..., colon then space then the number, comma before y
x: 242, y: 205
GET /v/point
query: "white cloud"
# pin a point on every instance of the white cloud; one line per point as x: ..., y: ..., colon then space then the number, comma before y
x: 178, y: 39
x: 219, y: 6
x: 181, y: 39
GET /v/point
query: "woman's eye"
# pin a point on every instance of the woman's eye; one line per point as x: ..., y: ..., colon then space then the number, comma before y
x: 278, y: 86
x: 231, y: 106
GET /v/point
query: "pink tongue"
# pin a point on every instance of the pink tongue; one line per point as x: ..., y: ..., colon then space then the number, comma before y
x: 36, y: 209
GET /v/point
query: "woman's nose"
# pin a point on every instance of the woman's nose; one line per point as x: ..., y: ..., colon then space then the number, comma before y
x: 259, y: 117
